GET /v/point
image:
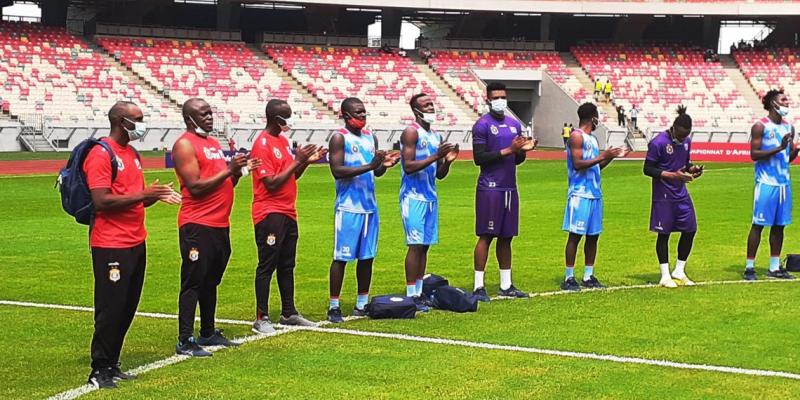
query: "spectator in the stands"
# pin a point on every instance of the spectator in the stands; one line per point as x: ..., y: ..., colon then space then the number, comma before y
x: 620, y: 115
x: 608, y: 90
x: 634, y: 115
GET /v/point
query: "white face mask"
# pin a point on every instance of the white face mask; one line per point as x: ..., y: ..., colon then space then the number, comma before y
x: 138, y: 131
x: 288, y: 123
x: 427, y: 117
x: 498, y: 105
x: 197, y: 129
x: 782, y: 111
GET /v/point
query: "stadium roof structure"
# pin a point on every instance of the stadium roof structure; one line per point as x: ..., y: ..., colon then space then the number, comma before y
x: 588, y: 7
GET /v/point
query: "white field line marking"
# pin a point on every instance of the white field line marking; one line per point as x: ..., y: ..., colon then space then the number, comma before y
x: 84, y: 389
x: 645, y: 286
x: 90, y: 309
x: 559, y: 353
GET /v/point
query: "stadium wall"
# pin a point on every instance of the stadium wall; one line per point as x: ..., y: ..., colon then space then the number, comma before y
x: 8, y: 136
x: 553, y: 108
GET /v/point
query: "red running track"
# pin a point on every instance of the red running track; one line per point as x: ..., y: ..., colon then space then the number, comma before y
x: 31, y: 167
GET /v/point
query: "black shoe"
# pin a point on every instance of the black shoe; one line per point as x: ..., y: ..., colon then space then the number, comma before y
x: 513, y: 292
x: 571, y: 285
x: 780, y: 274
x: 335, y: 315
x: 191, y: 348
x: 750, y: 274
x: 480, y: 293
x: 359, y: 312
x: 420, y: 303
x: 102, y: 379
x: 592, y: 283
x: 118, y: 375
x: 217, y: 339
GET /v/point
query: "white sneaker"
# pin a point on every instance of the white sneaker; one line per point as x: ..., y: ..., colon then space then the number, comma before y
x: 683, y: 280
x: 667, y: 282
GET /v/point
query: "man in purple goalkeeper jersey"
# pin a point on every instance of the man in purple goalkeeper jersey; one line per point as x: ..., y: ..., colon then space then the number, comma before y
x: 667, y: 162
x: 498, y: 146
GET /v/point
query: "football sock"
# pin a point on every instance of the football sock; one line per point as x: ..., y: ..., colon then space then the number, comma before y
x: 478, y: 280
x: 588, y: 271
x: 411, y: 289
x: 750, y: 263
x: 774, y: 263
x: 665, y: 270
x: 418, y: 287
x: 333, y: 303
x: 570, y: 272
x: 679, y: 266
x: 505, y: 279
x: 361, y: 300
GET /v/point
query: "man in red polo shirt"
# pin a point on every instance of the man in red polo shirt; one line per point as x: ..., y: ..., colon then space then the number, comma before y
x: 117, y: 238
x: 207, y: 183
x: 275, y: 215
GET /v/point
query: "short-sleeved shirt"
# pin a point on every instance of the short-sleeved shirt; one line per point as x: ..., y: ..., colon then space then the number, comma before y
x: 497, y: 135
x: 421, y: 185
x: 275, y: 153
x: 585, y: 183
x: 116, y: 229
x: 357, y: 194
x: 774, y: 171
x: 672, y: 157
x: 214, y: 208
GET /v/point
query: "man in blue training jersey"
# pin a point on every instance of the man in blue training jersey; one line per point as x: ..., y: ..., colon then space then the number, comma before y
x: 424, y: 159
x: 584, y: 212
x: 772, y: 149
x: 498, y: 146
x: 355, y: 161
x: 672, y: 210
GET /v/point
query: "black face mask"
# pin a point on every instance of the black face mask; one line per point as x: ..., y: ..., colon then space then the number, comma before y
x: 595, y: 124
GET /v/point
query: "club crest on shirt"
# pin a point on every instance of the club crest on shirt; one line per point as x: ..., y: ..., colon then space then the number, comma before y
x: 113, y: 271
x: 355, y: 149
x: 194, y: 254
x: 120, y: 164
x: 424, y: 143
x: 669, y: 149
x: 493, y: 129
x: 277, y: 153
x: 271, y: 239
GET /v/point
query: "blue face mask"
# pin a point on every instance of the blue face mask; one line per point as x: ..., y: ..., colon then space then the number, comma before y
x: 498, y: 105
x: 138, y: 131
x: 781, y: 110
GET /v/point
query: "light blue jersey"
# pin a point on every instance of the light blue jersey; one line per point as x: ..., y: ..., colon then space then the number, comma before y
x: 357, y: 194
x: 774, y: 171
x: 585, y: 183
x: 421, y: 185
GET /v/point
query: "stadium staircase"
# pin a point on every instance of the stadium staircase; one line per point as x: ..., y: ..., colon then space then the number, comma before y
x: 259, y: 53
x: 444, y: 87
x: 745, y: 87
x: 583, y: 77
x: 133, y: 76
x: 31, y: 135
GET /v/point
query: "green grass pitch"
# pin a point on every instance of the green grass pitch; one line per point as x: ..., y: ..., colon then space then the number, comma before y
x: 45, y: 259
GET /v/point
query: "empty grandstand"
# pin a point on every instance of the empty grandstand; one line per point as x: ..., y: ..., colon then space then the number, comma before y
x: 62, y: 71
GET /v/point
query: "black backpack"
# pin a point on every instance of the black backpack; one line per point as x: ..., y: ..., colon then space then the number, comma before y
x: 382, y: 307
x: 75, y: 196
x: 792, y: 262
x: 454, y: 299
x: 431, y: 282
x: 76, y: 199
